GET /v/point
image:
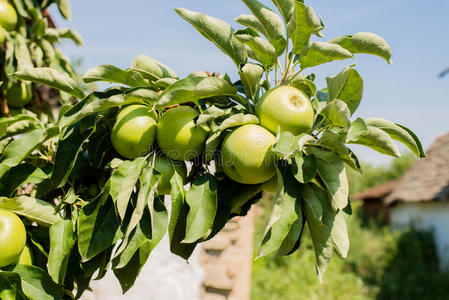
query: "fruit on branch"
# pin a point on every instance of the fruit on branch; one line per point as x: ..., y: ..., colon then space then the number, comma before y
x: 246, y: 154
x: 12, y: 238
x: 26, y: 258
x: 8, y: 15
x: 134, y: 131
x: 20, y: 94
x: 167, y: 169
x: 178, y: 136
x: 285, y: 107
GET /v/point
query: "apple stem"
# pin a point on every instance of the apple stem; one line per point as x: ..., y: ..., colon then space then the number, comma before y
x: 267, y: 76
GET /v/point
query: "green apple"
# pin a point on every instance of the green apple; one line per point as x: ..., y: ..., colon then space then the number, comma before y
x: 287, y: 108
x: 12, y: 238
x: 246, y: 155
x: 19, y: 94
x: 134, y: 131
x: 8, y: 15
x: 167, y: 169
x: 178, y: 136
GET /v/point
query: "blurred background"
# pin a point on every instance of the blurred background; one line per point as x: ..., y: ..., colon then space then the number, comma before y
x: 399, y: 231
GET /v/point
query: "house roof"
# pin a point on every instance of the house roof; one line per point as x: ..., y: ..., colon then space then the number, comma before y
x: 428, y: 178
x: 378, y: 191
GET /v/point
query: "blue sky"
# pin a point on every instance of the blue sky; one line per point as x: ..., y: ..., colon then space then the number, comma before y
x: 408, y: 91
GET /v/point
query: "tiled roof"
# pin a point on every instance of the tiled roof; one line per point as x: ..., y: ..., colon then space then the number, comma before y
x: 428, y: 178
x: 378, y: 191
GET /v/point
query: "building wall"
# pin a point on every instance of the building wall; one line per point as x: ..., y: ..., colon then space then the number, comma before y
x: 432, y: 215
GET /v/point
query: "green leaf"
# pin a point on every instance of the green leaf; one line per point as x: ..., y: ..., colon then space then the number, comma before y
x: 22, y: 53
x: 293, y: 239
x: 152, y: 69
x: 202, y: 200
x: 399, y: 133
x: 271, y: 23
x: 33, y: 209
x: 128, y: 275
x: 372, y: 137
x: 141, y: 94
x: 225, y: 195
x: 178, y: 219
x: 337, y: 113
x: 164, y: 83
x: 214, y: 86
x: 264, y: 52
x: 11, y: 286
x: 64, y: 9
x: 110, y: 73
x: 302, y: 25
x: 20, y: 148
x: 148, y: 183
x: 98, y: 226
x: 365, y: 42
x: 194, y: 88
x: 149, y: 231
x: 305, y: 85
x: 304, y: 167
x: 62, y: 240
x: 93, y: 103
x: 288, y: 145
x: 214, y: 112
x: 18, y: 176
x: 250, y: 75
x: 286, y: 8
x: 23, y: 121
x: 319, y: 53
x: 52, y: 78
x: 333, y: 174
x: 123, y: 181
x: 69, y: 147
x: 57, y: 33
x: 339, y: 235
x: 315, y: 197
x: 287, y: 209
x: 237, y: 120
x: 346, y: 86
x: 218, y: 32
x: 252, y: 22
x: 332, y: 141
x: 20, y: 8
x: 37, y: 284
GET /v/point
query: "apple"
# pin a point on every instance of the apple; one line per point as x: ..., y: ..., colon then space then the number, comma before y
x: 167, y: 169
x: 178, y: 136
x: 246, y: 155
x: 19, y: 94
x: 12, y: 238
x: 134, y: 131
x: 8, y: 15
x: 287, y: 108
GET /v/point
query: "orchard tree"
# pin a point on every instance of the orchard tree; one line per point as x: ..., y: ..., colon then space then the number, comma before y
x: 91, y: 185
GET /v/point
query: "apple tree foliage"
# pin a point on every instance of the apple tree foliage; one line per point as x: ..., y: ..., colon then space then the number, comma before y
x: 88, y: 210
